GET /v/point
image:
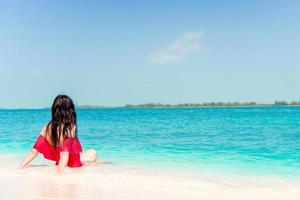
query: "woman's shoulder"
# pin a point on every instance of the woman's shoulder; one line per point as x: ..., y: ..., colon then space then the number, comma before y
x: 72, y: 132
x: 45, y: 130
x: 71, y: 139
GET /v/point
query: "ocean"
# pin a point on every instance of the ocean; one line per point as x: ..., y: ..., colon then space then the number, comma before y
x: 228, y: 140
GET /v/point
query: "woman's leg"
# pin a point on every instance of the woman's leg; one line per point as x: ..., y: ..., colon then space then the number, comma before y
x: 89, y: 156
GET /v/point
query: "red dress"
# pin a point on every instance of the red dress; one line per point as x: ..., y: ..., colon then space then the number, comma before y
x: 71, y: 145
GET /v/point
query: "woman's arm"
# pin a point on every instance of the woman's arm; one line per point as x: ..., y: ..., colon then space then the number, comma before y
x: 63, y: 161
x: 29, y: 157
x: 33, y: 153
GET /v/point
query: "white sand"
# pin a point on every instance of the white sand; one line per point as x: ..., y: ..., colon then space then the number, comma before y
x: 108, y: 181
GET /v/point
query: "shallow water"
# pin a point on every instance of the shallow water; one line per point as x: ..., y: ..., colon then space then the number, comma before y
x: 257, y: 140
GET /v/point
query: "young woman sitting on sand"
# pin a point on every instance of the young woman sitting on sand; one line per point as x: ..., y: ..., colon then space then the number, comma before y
x: 58, y: 139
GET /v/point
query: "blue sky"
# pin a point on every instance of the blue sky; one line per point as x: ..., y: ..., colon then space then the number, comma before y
x: 118, y: 52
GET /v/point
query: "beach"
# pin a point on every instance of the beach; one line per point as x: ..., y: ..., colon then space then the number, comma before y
x: 107, y: 181
x: 177, y: 100
x: 176, y: 153
x: 165, y: 100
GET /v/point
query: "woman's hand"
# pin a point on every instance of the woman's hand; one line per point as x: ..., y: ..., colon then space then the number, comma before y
x: 29, y: 157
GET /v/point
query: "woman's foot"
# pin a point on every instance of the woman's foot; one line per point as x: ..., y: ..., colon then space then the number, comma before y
x: 89, y: 156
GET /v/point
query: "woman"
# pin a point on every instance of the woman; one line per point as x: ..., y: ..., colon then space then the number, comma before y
x: 58, y: 139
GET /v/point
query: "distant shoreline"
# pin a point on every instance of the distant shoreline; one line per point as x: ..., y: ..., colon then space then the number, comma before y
x: 198, y: 105
x: 195, y: 105
x: 183, y: 105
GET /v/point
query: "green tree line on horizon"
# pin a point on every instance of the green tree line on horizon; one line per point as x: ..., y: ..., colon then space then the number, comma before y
x: 212, y: 104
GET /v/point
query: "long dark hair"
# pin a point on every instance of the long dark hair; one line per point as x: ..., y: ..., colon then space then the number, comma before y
x: 63, y: 119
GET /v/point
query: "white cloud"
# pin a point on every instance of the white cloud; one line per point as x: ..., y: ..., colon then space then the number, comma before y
x: 187, y: 43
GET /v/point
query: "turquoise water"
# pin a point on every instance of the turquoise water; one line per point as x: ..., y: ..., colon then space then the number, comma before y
x: 256, y: 140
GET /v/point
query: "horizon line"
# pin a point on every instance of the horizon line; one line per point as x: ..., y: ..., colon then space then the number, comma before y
x: 167, y: 105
